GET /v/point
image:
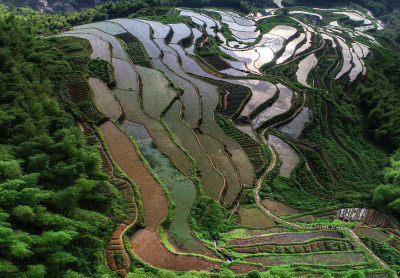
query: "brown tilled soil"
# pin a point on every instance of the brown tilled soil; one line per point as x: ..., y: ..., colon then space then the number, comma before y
x: 279, y: 208
x: 244, y: 268
x: 147, y: 246
x: 124, y: 153
x: 285, y: 238
x: 370, y: 232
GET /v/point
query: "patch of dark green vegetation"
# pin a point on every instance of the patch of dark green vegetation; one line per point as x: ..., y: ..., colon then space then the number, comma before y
x: 135, y: 49
x: 57, y: 208
x: 253, y: 150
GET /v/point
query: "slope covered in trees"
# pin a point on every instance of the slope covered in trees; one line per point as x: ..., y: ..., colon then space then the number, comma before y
x: 55, y: 203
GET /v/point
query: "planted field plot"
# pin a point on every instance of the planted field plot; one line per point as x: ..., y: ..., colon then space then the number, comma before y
x: 211, y: 179
x: 123, y: 151
x: 295, y: 127
x: 253, y: 150
x: 182, y: 190
x: 116, y: 48
x: 148, y: 247
x: 286, y: 153
x: 125, y: 75
x: 160, y: 31
x: 190, y: 97
x: 247, y: 130
x: 216, y: 152
x: 305, y: 66
x: 314, y: 246
x: 136, y: 53
x: 254, y: 218
x: 100, y: 48
x: 337, y: 258
x: 104, y: 99
x: 279, y: 208
x: 140, y: 30
x: 196, y: 35
x: 235, y: 95
x: 372, y: 233
x: 105, y: 26
x: 180, y: 30
x: 77, y: 89
x: 156, y: 93
x: 285, y: 238
x: 282, y: 105
x: 130, y: 105
x: 346, y: 56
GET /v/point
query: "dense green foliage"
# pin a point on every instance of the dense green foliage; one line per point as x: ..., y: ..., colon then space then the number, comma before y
x: 389, y: 193
x: 55, y: 203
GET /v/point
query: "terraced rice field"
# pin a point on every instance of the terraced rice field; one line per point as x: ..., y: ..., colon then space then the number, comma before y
x: 105, y: 26
x: 348, y: 258
x: 125, y: 155
x: 282, y: 105
x: 182, y: 190
x: 212, y: 181
x: 181, y: 31
x: 291, y: 48
x: 190, y: 97
x: 254, y: 218
x: 147, y: 247
x: 288, y: 155
x: 156, y: 94
x: 100, y: 48
x: 130, y: 105
x: 305, y: 66
x: 295, y: 127
x: 116, y: 47
x: 104, y: 99
x: 279, y: 208
x: 262, y: 91
x: 125, y: 75
x: 371, y: 232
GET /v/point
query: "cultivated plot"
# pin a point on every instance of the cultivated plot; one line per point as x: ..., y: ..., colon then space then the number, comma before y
x: 104, y: 99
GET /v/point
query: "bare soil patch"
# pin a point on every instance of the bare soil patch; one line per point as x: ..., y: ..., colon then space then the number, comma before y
x: 147, y: 246
x: 279, y: 208
x: 370, y: 232
x: 244, y: 268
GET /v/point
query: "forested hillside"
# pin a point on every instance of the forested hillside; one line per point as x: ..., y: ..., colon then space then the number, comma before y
x: 57, y: 208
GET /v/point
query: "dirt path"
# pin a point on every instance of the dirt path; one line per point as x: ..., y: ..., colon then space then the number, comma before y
x: 353, y: 237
